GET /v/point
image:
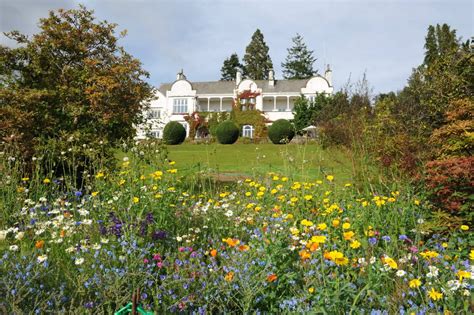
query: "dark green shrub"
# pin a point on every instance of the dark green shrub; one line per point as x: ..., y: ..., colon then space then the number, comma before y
x: 281, y: 131
x: 174, y: 133
x: 227, y: 132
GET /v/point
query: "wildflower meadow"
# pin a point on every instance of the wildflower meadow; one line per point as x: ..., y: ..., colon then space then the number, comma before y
x: 267, y: 244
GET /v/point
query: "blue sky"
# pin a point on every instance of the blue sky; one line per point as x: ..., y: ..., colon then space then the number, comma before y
x: 383, y: 38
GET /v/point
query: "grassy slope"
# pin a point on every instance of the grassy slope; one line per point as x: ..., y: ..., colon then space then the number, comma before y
x: 301, y: 161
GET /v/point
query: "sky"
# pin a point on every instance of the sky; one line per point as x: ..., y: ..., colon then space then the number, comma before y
x: 381, y: 38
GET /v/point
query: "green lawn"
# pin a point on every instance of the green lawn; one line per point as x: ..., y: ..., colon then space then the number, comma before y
x: 305, y: 161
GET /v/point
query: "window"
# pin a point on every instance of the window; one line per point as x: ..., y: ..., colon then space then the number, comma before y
x: 155, y: 134
x: 311, y: 98
x: 247, y: 131
x: 154, y: 114
x: 180, y: 105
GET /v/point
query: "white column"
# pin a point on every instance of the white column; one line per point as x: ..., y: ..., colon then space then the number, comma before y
x: 288, y: 103
x: 208, y: 103
x: 274, y: 103
x: 220, y: 105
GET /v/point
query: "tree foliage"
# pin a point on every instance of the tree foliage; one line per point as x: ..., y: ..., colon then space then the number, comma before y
x: 230, y: 67
x: 299, y: 61
x: 257, y: 61
x: 72, y: 79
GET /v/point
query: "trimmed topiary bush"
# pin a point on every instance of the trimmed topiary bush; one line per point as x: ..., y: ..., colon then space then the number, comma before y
x: 227, y: 132
x: 174, y: 133
x: 281, y: 131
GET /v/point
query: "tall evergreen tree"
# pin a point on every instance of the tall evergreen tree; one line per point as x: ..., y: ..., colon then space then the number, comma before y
x: 440, y: 42
x: 299, y: 62
x: 257, y: 61
x: 230, y: 67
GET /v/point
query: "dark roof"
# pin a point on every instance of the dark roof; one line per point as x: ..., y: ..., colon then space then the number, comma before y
x: 227, y: 87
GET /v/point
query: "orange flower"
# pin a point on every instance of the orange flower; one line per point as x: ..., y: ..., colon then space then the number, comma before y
x: 272, y: 277
x: 304, y: 254
x: 232, y: 242
x: 39, y: 244
x: 213, y: 253
x: 244, y: 248
x: 62, y: 233
x: 229, y: 276
x: 312, y: 246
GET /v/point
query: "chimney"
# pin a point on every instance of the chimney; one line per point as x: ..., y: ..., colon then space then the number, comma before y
x: 328, y: 75
x: 238, y: 77
x: 271, y: 78
x: 180, y: 76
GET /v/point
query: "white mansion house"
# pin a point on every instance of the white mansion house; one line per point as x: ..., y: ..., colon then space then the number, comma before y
x: 275, y: 98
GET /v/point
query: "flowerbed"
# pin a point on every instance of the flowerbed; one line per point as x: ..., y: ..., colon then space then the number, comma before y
x: 267, y: 244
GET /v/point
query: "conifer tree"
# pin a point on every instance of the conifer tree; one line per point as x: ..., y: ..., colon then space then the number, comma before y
x: 230, y: 67
x: 299, y: 62
x: 257, y: 61
x: 440, y: 42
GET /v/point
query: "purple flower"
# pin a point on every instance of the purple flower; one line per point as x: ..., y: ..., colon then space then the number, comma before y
x: 78, y: 193
x: 386, y: 238
x: 158, y: 235
x: 372, y: 241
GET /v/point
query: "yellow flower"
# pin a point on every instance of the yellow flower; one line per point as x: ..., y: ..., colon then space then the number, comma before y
x: 294, y: 199
x: 172, y: 163
x: 46, y: 181
x: 336, y: 222
x: 471, y: 254
x: 348, y: 185
x: 136, y: 199
x: 416, y: 202
x: 348, y: 235
x: 318, y: 239
x: 463, y: 274
x: 365, y: 203
x: 306, y: 222
x: 346, y: 226
x: 276, y: 177
x: 429, y: 254
x: 284, y: 179
x: 248, y: 194
x: 355, y: 244
x: 322, y: 226
x: 99, y: 175
x: 435, y: 295
x: 273, y: 191
x: 172, y: 171
x: 229, y: 276
x: 25, y: 179
x: 415, y: 283
x: 94, y: 193
x: 232, y: 242
x: 308, y: 197
x: 390, y: 262
x: 464, y: 227
x: 121, y: 182
x: 311, y: 290
x: 261, y: 193
x: 330, y: 178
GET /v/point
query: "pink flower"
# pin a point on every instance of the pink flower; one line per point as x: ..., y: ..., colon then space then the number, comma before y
x: 181, y: 249
x: 157, y: 257
x: 414, y: 249
x: 159, y: 264
x: 145, y: 261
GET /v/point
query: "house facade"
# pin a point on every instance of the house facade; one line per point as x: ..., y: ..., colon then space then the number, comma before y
x: 275, y: 98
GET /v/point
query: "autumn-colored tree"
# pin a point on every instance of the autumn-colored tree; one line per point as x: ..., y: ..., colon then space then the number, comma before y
x: 71, y: 80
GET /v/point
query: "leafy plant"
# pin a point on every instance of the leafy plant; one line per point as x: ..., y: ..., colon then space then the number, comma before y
x: 281, y: 131
x: 174, y: 133
x: 227, y: 132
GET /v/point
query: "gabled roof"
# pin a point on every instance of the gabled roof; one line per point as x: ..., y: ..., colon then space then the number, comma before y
x: 227, y: 87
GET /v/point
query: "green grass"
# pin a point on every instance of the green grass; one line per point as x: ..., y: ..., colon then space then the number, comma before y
x: 303, y: 162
